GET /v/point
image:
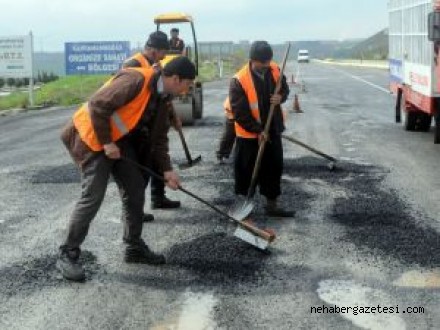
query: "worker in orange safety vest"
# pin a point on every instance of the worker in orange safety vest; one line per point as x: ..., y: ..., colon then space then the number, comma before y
x: 107, y: 127
x: 251, y: 94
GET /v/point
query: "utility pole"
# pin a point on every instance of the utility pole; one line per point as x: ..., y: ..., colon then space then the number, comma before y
x: 31, y: 78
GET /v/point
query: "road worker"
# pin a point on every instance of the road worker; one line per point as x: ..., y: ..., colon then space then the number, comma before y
x: 228, y: 136
x: 154, y: 51
x: 251, y: 94
x: 128, y: 106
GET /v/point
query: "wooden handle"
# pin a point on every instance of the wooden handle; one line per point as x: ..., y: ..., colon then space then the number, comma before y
x: 270, y: 237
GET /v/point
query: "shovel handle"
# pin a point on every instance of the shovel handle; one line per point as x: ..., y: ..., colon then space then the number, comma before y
x: 256, y: 231
x: 259, y: 232
x: 302, y: 144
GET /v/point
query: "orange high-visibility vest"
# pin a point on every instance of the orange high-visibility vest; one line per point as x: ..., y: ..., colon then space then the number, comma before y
x: 228, y: 109
x: 244, y: 76
x: 122, y: 121
x: 141, y: 59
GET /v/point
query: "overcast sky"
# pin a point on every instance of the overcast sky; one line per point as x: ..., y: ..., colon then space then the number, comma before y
x: 54, y: 22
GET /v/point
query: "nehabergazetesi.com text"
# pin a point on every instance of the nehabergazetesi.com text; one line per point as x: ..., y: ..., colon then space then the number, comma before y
x: 355, y: 310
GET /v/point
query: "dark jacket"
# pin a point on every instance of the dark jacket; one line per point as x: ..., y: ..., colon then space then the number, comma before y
x: 124, y: 88
x: 177, y: 44
x: 264, y: 88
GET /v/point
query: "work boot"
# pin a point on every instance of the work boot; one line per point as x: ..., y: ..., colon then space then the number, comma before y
x: 69, y: 266
x: 221, y: 160
x: 164, y: 203
x: 273, y: 210
x: 224, y: 160
x: 139, y: 252
x: 147, y: 217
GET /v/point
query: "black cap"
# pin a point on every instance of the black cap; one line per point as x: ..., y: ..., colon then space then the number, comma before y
x: 180, y: 66
x: 158, y: 40
x: 175, y: 30
x: 260, y: 51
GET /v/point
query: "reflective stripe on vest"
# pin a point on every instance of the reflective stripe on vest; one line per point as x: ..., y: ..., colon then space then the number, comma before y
x: 122, y: 120
x: 244, y: 76
x: 116, y: 120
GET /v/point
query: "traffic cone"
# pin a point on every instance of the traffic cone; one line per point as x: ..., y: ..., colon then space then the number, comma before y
x: 296, y: 106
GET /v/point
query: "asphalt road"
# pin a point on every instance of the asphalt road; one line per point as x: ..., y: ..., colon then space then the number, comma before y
x: 365, y: 235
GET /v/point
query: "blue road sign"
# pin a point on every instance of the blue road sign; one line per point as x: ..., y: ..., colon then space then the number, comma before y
x: 102, y: 57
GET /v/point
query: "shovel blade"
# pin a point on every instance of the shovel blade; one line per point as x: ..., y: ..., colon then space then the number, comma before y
x: 241, y: 209
x: 251, y: 238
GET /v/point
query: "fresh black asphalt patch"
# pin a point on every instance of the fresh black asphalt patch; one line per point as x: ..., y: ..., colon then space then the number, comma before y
x: 374, y: 218
x: 35, y: 274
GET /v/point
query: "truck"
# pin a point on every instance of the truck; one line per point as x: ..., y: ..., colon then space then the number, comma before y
x: 413, y: 71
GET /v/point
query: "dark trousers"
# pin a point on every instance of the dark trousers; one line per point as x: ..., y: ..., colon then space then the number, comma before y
x: 94, y: 180
x: 157, y: 187
x: 227, y: 140
x: 269, y: 178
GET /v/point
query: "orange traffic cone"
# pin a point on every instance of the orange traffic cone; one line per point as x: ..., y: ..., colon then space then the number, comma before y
x: 296, y: 106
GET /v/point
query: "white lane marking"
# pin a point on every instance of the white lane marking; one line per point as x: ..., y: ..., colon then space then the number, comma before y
x: 351, y: 294
x: 197, y: 312
x: 364, y: 81
x: 419, y: 279
x: 1, y: 221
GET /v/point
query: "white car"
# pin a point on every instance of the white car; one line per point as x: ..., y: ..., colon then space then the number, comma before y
x: 303, y: 56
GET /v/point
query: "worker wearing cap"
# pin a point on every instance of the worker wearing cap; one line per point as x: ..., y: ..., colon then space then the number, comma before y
x: 154, y: 51
x: 251, y: 94
x: 107, y: 127
x: 176, y: 44
x: 228, y: 136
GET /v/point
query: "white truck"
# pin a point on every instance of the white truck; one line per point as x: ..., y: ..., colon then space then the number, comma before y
x: 414, y: 74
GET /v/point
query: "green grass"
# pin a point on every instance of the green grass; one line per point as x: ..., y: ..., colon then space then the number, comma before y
x: 14, y: 100
x: 209, y: 71
x: 69, y: 90
x: 65, y: 91
x: 72, y: 90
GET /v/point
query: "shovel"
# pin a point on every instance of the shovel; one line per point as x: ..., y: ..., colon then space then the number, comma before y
x: 191, y: 161
x: 332, y: 160
x: 245, y: 231
x: 242, y: 209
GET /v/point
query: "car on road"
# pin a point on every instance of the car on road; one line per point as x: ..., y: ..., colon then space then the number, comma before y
x: 303, y: 56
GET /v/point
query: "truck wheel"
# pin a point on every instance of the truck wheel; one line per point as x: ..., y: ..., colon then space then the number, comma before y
x: 198, y: 95
x: 185, y: 111
x: 424, y: 122
x: 410, y: 120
